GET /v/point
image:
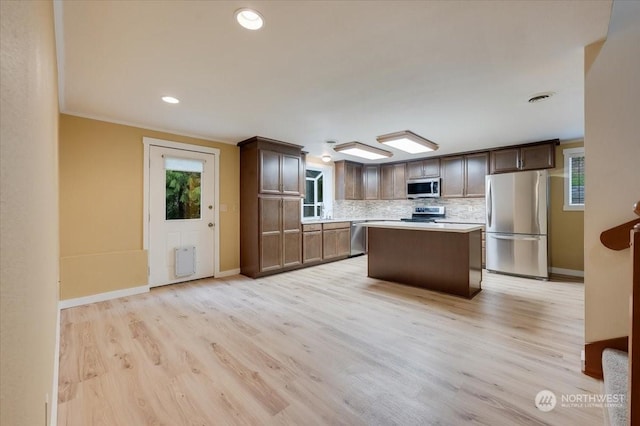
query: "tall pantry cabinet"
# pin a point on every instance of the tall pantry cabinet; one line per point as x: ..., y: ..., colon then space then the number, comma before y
x: 271, y: 185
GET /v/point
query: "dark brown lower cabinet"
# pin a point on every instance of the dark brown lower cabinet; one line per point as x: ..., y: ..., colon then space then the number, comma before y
x: 453, y: 265
x: 325, y: 242
x: 344, y: 242
x: 336, y: 240
x: 280, y: 233
x: 330, y: 244
x: 270, y: 233
x: 312, y: 243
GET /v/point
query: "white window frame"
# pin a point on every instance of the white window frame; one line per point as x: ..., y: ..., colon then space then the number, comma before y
x: 315, y: 204
x: 568, y: 154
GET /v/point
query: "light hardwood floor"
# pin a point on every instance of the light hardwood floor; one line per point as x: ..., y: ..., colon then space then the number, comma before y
x: 325, y: 346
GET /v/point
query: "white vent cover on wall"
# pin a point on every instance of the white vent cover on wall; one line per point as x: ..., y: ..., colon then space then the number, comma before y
x: 185, y: 261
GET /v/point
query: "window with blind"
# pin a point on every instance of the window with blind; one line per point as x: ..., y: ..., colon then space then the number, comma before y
x: 574, y: 178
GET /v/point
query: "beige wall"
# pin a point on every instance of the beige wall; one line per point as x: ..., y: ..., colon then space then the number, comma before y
x: 612, y: 149
x: 29, y: 211
x: 101, y: 202
x: 566, y: 227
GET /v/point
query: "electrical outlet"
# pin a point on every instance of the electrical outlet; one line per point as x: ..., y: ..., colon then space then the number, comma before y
x: 470, y: 208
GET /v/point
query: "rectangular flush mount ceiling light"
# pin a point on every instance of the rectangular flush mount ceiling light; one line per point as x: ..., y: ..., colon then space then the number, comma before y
x: 361, y: 150
x: 408, y: 141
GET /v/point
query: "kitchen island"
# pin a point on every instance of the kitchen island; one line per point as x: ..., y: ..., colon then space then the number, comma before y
x: 443, y: 257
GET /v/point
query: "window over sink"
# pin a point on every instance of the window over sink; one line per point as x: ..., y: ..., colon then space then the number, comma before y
x: 313, y: 204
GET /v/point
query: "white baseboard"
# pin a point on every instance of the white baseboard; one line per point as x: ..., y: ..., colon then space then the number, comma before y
x: 53, y: 400
x: 228, y: 273
x: 101, y: 297
x: 569, y: 272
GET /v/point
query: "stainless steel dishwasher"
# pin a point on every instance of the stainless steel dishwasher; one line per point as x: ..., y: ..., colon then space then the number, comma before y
x: 358, y: 238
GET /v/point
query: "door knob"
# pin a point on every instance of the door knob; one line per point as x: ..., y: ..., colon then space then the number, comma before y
x: 210, y: 225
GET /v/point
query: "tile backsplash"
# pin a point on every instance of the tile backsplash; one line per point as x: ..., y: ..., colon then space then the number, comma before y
x: 462, y: 209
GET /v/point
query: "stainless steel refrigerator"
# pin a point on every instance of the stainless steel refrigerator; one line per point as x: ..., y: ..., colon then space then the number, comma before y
x: 516, y: 228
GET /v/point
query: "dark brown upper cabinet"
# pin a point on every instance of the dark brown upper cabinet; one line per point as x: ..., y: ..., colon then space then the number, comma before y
x: 348, y: 184
x: 393, y: 181
x: 371, y: 181
x: 464, y: 175
x: 303, y: 174
x: 429, y: 168
x: 526, y: 157
x: 476, y: 170
x: 452, y: 173
x: 280, y: 173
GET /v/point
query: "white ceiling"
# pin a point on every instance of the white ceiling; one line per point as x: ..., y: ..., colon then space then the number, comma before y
x: 456, y: 72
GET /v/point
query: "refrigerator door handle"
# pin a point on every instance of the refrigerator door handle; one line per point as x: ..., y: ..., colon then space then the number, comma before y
x: 514, y: 237
x: 489, y: 203
x: 537, y: 207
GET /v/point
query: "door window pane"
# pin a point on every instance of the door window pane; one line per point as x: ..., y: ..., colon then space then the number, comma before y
x: 182, y: 194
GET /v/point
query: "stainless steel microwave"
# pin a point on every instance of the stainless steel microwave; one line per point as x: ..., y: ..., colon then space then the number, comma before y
x: 423, y: 188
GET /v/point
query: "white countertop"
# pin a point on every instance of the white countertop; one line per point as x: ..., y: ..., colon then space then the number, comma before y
x: 421, y: 226
x: 466, y: 222
x: 312, y: 221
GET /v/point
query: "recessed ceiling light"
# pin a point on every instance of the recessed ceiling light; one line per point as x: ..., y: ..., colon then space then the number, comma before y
x: 249, y: 18
x: 170, y: 100
x: 364, y: 151
x: 538, y: 97
x: 408, y: 141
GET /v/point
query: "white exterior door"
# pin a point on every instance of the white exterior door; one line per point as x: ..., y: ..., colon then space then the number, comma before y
x: 181, y: 215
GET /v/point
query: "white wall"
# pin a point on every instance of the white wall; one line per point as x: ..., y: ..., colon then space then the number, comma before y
x: 612, y: 149
x: 28, y: 211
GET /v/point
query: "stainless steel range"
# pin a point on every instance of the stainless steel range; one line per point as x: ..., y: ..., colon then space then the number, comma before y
x: 426, y: 214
